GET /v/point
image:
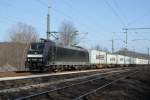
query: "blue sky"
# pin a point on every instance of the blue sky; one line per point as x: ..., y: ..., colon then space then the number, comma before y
x: 102, y: 19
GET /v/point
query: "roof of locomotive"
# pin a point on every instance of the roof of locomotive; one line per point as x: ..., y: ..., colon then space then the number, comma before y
x: 73, y: 48
x: 79, y: 48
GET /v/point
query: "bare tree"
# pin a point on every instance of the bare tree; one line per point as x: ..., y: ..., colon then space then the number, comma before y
x: 23, y: 33
x: 98, y: 47
x: 68, y: 34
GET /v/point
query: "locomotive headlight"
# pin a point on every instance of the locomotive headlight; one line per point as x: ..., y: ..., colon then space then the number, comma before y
x: 27, y: 59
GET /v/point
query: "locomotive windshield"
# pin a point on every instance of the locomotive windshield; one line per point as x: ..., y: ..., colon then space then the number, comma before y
x: 36, y: 48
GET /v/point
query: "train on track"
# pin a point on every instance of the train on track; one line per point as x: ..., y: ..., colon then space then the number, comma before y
x: 47, y: 55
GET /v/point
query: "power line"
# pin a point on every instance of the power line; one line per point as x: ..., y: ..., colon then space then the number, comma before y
x: 121, y: 11
x: 67, y: 2
x: 54, y: 9
x: 8, y: 4
x: 136, y: 28
x: 6, y: 18
x: 68, y: 16
x: 139, y: 18
x: 10, y: 18
x: 120, y: 19
x: 62, y: 13
x: 115, y: 13
x: 42, y: 3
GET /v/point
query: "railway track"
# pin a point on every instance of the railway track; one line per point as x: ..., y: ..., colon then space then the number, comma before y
x: 81, y: 87
x: 7, y: 83
x: 102, y: 87
x: 38, y: 86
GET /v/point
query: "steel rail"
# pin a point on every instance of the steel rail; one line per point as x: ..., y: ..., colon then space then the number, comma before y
x: 46, y: 92
x: 67, y: 80
x: 104, y: 86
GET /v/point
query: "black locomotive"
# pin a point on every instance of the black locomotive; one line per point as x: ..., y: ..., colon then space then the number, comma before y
x: 46, y: 55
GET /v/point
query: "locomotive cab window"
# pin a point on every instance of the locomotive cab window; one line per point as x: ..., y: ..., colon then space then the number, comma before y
x: 36, y: 48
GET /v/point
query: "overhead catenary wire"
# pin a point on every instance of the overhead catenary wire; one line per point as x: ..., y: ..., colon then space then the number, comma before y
x: 139, y: 18
x: 42, y: 3
x: 115, y: 13
x: 13, y: 19
x: 120, y: 10
x: 11, y: 5
x: 8, y: 4
x: 118, y: 16
x: 70, y: 4
x: 68, y: 17
x: 8, y: 18
x: 54, y: 9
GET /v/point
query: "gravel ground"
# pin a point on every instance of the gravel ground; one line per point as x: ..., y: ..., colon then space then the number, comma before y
x: 72, y: 78
x: 136, y: 87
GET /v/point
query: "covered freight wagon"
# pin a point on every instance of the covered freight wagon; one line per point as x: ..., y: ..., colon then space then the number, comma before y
x: 138, y: 61
x: 120, y: 59
x: 127, y: 60
x: 111, y: 59
x: 97, y: 57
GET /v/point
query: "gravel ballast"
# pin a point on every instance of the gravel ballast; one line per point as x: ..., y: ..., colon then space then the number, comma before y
x: 136, y: 87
